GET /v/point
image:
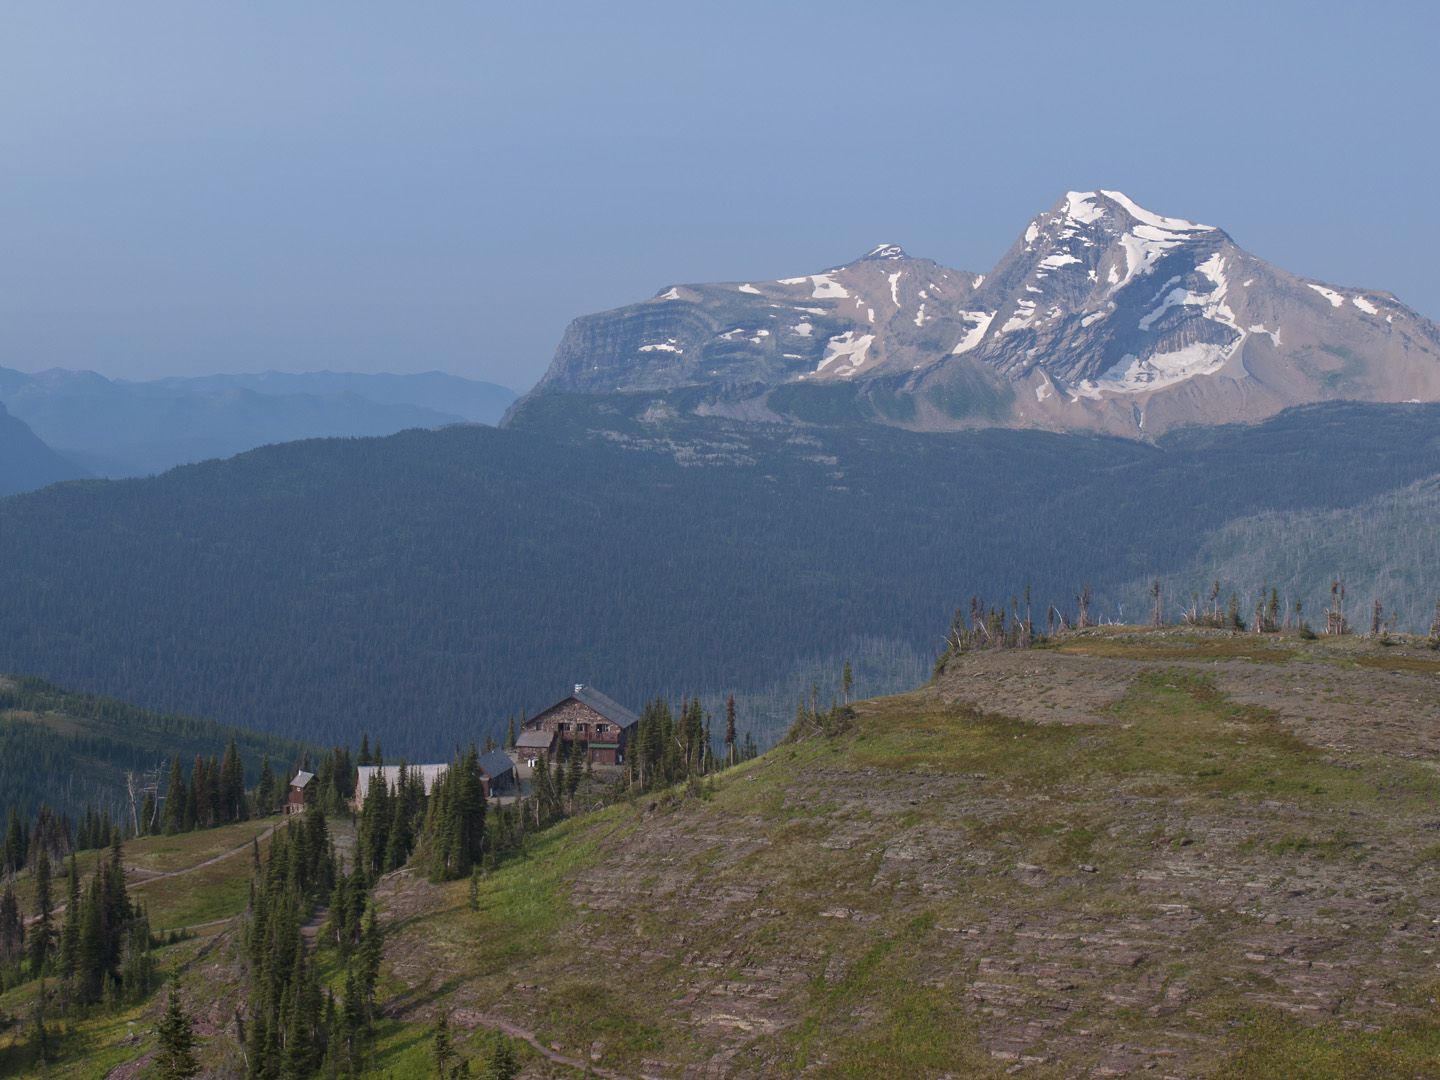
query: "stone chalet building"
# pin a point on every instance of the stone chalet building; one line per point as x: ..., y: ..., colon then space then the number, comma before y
x: 600, y: 727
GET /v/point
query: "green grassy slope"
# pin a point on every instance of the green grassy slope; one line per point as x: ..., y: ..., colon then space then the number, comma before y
x: 1215, y: 856
x: 1174, y: 878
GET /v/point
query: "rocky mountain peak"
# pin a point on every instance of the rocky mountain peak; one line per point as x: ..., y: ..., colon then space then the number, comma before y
x: 1103, y: 315
x: 883, y: 253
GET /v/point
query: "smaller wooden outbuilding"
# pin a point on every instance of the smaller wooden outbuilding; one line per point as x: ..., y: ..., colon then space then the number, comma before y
x: 497, y: 774
x: 531, y: 746
x: 299, y: 791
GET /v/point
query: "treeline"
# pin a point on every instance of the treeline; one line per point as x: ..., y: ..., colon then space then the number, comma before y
x: 986, y: 627
x: 213, y: 795
x: 314, y: 586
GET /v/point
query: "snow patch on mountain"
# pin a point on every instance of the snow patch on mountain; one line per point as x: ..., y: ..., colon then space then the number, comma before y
x: 1143, y: 246
x: 1212, y: 304
x: 1140, y: 214
x: 825, y: 289
x: 748, y: 288
x: 1365, y: 305
x: 1336, y: 300
x: 978, y: 322
x: 1023, y: 316
x: 1080, y: 207
x: 849, y: 349
x: 1132, y: 374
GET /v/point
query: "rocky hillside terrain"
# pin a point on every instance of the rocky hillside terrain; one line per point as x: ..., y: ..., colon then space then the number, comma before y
x: 1128, y: 853
x: 1132, y: 853
x: 1102, y: 316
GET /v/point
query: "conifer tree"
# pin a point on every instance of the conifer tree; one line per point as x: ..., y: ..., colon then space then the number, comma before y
x: 265, y: 788
x: 367, y: 973
x: 847, y: 680
x: 12, y: 928
x: 147, y: 814
x: 42, y: 932
x: 233, y: 806
x: 500, y: 1060
x: 573, y: 772
x: 175, y: 793
x: 70, y: 937
x: 14, y: 844
x: 442, y: 1051
x: 731, y: 749
x: 401, y: 839
x: 175, y: 1034
x: 510, y: 732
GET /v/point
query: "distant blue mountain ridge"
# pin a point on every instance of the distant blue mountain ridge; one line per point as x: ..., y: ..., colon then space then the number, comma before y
x: 26, y: 463
x: 115, y: 428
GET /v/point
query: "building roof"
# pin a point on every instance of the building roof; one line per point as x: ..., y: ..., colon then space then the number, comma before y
x: 427, y: 773
x: 617, y: 714
x: 302, y: 778
x: 495, y: 763
x: 539, y: 740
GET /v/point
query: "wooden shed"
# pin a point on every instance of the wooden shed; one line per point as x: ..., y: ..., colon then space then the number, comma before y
x: 497, y: 774
x: 300, y: 789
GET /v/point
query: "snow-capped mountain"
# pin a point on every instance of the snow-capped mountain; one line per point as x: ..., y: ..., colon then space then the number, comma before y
x: 1103, y: 315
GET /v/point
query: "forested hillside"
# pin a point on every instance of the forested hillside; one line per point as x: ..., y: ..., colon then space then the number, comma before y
x: 69, y: 750
x: 427, y: 585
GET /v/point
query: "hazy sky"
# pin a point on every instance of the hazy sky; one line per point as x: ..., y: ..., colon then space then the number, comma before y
x: 190, y: 187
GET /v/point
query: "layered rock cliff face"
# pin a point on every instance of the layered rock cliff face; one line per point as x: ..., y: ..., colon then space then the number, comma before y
x: 1102, y: 316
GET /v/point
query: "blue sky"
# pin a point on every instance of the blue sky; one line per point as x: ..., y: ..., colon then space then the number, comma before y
x: 191, y: 187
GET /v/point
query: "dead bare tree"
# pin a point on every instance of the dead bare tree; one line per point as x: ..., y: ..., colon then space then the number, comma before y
x: 1335, y: 623
x: 1157, y: 617
x: 1083, y: 600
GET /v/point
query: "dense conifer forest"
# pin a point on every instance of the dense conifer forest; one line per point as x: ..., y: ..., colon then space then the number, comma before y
x: 70, y: 751
x: 428, y: 585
